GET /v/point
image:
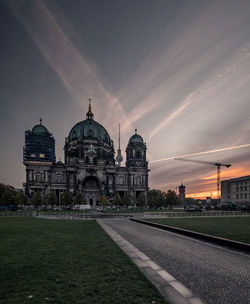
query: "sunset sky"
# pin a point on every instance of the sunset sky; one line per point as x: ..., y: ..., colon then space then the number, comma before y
x: 178, y: 71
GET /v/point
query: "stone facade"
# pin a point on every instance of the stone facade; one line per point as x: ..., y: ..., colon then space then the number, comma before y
x: 236, y: 190
x: 90, y: 168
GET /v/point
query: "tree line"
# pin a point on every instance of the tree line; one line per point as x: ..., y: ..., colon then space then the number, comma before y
x: 156, y: 199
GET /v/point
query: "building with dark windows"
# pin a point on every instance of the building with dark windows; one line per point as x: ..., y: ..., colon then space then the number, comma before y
x: 89, y: 167
x: 236, y: 190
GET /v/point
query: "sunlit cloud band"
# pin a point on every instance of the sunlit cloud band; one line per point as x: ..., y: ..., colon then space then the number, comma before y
x: 200, y: 153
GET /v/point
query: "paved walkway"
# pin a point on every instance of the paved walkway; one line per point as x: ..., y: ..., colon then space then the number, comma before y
x: 170, y: 288
x: 185, y: 270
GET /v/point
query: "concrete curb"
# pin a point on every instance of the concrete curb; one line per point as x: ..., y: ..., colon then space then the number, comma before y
x: 214, y: 239
x: 171, y: 289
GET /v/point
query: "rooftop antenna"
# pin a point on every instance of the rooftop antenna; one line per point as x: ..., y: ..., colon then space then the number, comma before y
x: 119, y: 157
x: 119, y: 137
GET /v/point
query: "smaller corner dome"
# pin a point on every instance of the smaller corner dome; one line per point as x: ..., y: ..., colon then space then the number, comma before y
x: 136, y: 138
x: 40, y: 129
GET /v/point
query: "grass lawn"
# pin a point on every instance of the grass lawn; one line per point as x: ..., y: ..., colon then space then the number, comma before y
x: 235, y: 228
x: 65, y: 261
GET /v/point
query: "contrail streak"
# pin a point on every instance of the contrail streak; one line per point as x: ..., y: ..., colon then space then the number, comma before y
x: 73, y: 68
x: 200, y: 153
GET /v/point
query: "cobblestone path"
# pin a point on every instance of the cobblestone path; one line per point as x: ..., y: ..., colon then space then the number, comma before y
x: 216, y: 275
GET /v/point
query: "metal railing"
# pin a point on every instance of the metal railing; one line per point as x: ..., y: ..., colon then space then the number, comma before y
x: 61, y: 215
x: 194, y: 214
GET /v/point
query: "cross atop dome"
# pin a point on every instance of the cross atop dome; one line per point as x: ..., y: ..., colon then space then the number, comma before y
x: 135, y: 130
x: 41, y: 120
x: 89, y: 114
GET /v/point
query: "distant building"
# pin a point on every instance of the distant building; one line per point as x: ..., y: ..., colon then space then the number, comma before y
x: 182, y: 193
x: 236, y: 190
x: 89, y: 167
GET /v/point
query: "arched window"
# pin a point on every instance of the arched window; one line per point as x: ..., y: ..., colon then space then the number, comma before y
x: 138, y: 180
x: 38, y: 177
x: 138, y: 154
x: 59, y: 178
x: 121, y: 180
x: 74, y: 134
x: 90, y: 133
x: 71, y: 179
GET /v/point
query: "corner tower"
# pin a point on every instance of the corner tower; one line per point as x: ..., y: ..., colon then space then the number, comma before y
x: 136, y: 152
x: 137, y: 166
x: 39, y: 145
x: 38, y: 158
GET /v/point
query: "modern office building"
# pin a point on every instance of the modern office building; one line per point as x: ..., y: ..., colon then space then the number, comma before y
x: 89, y: 167
x: 236, y: 190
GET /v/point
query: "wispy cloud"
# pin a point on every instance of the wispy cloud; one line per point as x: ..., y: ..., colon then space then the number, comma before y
x: 73, y: 68
x: 191, y: 93
x: 200, y: 153
x: 171, y: 117
x: 203, y: 62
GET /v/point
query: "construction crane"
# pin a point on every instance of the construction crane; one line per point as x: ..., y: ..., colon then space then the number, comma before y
x: 218, y: 165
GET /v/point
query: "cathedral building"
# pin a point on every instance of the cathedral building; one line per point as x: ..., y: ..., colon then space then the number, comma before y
x: 89, y: 167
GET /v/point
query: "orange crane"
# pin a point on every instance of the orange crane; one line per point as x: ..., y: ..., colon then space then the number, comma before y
x: 218, y: 165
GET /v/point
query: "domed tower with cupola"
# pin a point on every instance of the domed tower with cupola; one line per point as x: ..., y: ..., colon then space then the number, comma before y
x: 137, y: 165
x: 136, y: 152
x: 38, y: 157
x: 39, y: 145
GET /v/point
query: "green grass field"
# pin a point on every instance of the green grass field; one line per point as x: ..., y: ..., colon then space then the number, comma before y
x: 235, y: 228
x: 65, y: 261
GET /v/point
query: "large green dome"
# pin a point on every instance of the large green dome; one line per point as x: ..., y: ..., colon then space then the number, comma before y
x: 89, y: 129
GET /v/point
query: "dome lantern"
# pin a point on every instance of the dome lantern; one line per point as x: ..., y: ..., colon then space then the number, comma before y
x: 89, y: 114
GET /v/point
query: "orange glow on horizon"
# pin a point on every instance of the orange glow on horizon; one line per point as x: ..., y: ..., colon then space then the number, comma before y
x: 203, y: 195
x: 228, y: 174
x: 212, y: 179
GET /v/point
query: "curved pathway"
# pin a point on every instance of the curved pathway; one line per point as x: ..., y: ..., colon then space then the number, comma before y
x: 214, y: 274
